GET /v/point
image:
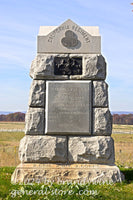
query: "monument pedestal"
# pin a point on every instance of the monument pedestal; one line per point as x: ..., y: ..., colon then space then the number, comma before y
x: 79, y: 173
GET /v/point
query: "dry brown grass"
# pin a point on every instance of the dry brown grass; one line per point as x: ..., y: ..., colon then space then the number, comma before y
x: 123, y: 149
x: 119, y: 127
x: 12, y: 125
x: 21, y: 125
x: 9, y: 143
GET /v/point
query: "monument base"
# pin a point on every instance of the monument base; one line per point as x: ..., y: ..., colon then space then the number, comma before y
x: 60, y: 173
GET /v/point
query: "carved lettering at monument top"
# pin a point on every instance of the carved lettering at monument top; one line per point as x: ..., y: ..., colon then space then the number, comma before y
x: 69, y: 38
x: 69, y: 33
x: 68, y: 107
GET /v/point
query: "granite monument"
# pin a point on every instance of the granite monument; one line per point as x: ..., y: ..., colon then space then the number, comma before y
x: 68, y: 123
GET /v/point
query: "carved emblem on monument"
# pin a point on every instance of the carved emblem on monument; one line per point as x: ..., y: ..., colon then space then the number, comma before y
x: 67, y: 66
x: 70, y: 40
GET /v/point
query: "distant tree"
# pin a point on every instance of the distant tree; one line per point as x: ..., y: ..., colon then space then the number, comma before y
x: 117, y: 119
x: 123, y: 119
x: 18, y: 116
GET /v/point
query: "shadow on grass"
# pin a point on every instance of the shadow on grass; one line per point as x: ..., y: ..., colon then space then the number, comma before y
x: 128, y: 173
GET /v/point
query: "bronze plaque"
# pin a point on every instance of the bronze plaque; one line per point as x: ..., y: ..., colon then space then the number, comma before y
x: 68, y: 107
x: 68, y: 66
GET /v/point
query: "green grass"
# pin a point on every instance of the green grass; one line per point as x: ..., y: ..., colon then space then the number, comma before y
x: 121, y: 191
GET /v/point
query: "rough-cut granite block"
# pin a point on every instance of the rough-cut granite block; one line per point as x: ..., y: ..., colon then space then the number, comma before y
x: 96, y: 150
x: 102, y: 121
x: 35, y: 122
x: 42, y: 67
x: 95, y: 67
x: 100, y: 94
x: 37, y: 94
x: 43, y: 149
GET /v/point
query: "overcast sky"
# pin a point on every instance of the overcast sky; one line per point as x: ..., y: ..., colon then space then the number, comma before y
x: 19, y: 26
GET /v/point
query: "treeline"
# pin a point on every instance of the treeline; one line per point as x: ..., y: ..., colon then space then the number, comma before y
x: 13, y: 117
x: 123, y: 119
x: 117, y: 119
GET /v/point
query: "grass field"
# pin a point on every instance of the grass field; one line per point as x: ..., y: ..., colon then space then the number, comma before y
x: 9, y: 143
x: 122, y: 127
x: 12, y: 125
x: 123, y: 149
x: 21, y: 125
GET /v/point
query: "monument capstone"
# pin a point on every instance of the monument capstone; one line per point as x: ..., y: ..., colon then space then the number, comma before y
x: 68, y: 123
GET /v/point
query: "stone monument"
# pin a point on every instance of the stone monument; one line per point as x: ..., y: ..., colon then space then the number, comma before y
x: 68, y: 123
